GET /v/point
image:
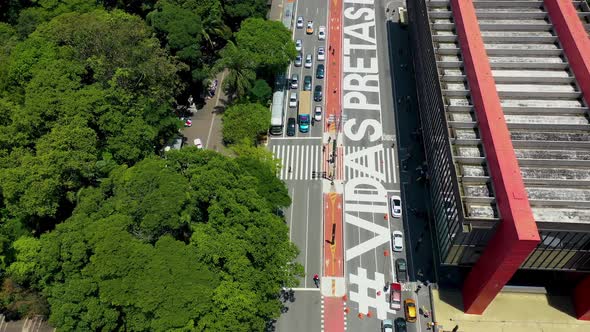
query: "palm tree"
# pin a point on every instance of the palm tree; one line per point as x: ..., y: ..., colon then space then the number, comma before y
x: 241, y: 70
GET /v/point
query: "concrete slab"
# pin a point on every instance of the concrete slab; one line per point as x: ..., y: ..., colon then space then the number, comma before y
x: 514, y: 312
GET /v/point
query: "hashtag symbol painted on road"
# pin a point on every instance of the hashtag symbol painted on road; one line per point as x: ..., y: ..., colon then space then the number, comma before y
x: 362, y: 297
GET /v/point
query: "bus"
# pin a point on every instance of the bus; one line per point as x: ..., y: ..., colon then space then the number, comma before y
x: 303, y: 112
x: 278, y: 115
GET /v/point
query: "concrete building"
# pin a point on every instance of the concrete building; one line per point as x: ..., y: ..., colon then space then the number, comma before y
x: 503, y: 91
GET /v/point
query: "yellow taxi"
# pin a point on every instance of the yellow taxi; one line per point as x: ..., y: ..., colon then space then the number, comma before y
x: 309, y: 28
x: 410, y: 310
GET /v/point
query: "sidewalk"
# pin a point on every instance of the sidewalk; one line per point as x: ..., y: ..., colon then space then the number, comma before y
x: 514, y: 312
x: 207, y: 121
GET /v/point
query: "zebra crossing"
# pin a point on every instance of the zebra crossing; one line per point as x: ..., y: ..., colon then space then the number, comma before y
x: 302, y: 162
x: 384, y: 161
x: 299, y: 162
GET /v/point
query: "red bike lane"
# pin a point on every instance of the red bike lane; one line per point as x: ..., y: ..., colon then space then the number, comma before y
x: 334, y: 306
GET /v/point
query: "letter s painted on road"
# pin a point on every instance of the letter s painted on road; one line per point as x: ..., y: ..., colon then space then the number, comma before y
x: 370, y: 13
x: 377, y: 131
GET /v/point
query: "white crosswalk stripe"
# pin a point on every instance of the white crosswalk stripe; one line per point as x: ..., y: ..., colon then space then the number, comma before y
x: 384, y: 161
x: 302, y: 159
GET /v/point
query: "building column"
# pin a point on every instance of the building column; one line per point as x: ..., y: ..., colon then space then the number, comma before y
x: 582, y: 299
x: 517, y: 234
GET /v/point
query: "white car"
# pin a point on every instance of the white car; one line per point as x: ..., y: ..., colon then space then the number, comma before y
x: 395, y: 204
x: 298, y: 45
x: 198, y: 143
x: 321, y: 54
x: 300, y: 22
x: 293, y: 100
x: 397, y: 241
x: 322, y: 33
x: 317, y: 113
x: 308, y: 61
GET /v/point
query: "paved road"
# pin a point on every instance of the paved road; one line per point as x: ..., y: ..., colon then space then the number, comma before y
x: 302, y: 158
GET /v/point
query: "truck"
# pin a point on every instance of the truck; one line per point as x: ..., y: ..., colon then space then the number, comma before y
x: 304, y: 111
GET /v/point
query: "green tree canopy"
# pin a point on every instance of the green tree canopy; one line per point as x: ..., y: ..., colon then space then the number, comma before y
x: 245, y: 122
x: 269, y: 43
x: 260, y: 92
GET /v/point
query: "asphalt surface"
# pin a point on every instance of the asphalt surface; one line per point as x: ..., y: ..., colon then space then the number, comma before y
x: 302, y: 161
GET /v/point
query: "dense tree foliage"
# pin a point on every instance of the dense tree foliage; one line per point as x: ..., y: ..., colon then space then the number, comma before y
x: 245, y: 122
x: 97, y: 232
x: 189, y: 241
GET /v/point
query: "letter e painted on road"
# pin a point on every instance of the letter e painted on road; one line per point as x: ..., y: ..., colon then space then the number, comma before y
x: 360, y: 66
x: 361, y: 101
x: 375, y: 135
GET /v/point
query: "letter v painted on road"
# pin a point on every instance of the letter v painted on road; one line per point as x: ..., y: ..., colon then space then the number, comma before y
x: 374, y: 242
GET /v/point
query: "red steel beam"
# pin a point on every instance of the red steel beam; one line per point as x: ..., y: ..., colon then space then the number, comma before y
x: 574, y: 40
x: 516, y: 235
x: 582, y: 300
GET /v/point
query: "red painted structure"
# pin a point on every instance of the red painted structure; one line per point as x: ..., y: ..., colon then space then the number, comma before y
x: 516, y: 235
x: 576, y: 47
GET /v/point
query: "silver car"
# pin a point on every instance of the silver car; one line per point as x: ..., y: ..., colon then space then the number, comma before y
x: 298, y: 60
x: 308, y: 61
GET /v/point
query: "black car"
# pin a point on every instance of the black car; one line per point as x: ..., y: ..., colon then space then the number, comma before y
x: 317, y: 93
x: 400, y: 325
x: 291, y: 126
x: 319, y: 73
x: 401, y: 270
x: 307, y: 83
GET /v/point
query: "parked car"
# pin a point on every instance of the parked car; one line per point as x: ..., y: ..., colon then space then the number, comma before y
x: 319, y: 73
x: 291, y: 126
x: 387, y: 325
x: 308, y: 61
x: 321, y: 54
x: 395, y: 204
x: 410, y: 310
x: 294, y: 81
x: 317, y: 93
x: 309, y: 29
x: 293, y: 99
x: 300, y: 22
x: 198, y: 143
x: 298, y: 45
x: 395, y: 296
x: 298, y: 60
x: 317, y: 113
x: 307, y: 83
x: 401, y: 270
x: 322, y: 33
x: 400, y: 325
x: 397, y: 241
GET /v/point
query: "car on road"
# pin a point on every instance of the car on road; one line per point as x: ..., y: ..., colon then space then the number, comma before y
x: 317, y: 113
x: 387, y: 325
x: 298, y: 60
x: 300, y: 22
x: 395, y: 204
x: 293, y: 99
x: 401, y: 270
x: 400, y: 325
x: 307, y: 83
x: 319, y: 72
x: 198, y: 143
x: 321, y: 54
x: 298, y: 45
x: 291, y: 126
x: 308, y: 61
x: 294, y: 81
x: 322, y: 33
x: 317, y: 93
x: 395, y: 296
x: 397, y: 241
x: 309, y: 29
x: 410, y: 310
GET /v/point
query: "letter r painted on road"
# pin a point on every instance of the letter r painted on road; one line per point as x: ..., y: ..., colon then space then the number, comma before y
x: 361, y: 101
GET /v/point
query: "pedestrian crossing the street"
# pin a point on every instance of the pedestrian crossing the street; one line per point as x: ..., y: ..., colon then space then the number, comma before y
x: 299, y: 162
x: 384, y: 163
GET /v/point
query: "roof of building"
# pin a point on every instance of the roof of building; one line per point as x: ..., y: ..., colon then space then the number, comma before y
x: 542, y: 103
